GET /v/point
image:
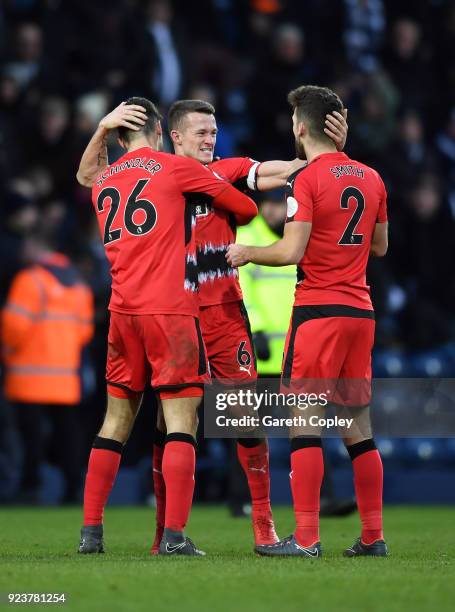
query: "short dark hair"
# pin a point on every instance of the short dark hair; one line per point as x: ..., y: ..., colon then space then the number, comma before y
x: 312, y: 104
x: 153, y: 117
x: 181, y: 108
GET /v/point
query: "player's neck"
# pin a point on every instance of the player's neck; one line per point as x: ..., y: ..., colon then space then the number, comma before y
x: 314, y: 149
x: 140, y: 143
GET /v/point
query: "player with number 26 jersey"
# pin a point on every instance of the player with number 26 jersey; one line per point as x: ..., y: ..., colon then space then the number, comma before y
x: 140, y: 194
x: 147, y: 228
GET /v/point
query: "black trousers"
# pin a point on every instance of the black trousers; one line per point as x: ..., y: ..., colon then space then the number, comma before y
x: 51, y: 433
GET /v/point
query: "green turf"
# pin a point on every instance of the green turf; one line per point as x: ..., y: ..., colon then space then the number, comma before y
x: 37, y: 554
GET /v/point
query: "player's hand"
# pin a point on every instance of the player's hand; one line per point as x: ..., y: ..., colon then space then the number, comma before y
x: 237, y: 255
x: 336, y: 127
x: 131, y: 116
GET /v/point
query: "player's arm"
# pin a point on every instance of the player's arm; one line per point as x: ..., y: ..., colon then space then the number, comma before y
x: 288, y: 250
x: 234, y: 201
x: 273, y: 174
x: 380, y: 240
x: 94, y: 159
x: 192, y: 177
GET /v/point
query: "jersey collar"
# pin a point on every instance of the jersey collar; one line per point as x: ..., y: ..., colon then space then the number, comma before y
x: 336, y: 155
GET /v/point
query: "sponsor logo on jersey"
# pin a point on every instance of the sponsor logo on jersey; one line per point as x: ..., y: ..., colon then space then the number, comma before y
x: 202, y: 210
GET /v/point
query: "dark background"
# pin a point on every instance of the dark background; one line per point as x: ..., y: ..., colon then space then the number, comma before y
x: 63, y: 65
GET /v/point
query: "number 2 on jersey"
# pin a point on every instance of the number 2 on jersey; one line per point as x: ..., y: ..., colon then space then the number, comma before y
x: 132, y: 205
x: 348, y: 237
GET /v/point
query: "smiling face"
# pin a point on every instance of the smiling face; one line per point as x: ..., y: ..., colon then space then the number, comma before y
x: 196, y: 137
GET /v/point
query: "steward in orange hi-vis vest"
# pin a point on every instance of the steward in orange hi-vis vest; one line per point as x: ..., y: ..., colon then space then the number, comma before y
x: 47, y: 320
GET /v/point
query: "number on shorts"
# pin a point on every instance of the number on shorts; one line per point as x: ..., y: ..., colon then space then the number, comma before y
x: 243, y: 356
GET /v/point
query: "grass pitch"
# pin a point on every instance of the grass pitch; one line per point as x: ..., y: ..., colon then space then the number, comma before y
x: 37, y: 554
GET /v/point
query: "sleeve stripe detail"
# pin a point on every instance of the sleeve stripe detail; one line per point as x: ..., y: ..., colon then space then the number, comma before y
x: 251, y: 180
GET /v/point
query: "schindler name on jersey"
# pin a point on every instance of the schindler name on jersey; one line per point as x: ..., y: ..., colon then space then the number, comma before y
x: 145, y: 163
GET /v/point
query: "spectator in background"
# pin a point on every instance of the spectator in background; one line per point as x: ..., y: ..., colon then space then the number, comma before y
x: 19, y: 217
x: 49, y: 142
x: 46, y: 322
x: 406, y: 60
x: 364, y: 33
x: 425, y: 252
x: 25, y: 64
x: 373, y: 125
x: 445, y: 144
x: 10, y: 120
x: 161, y: 64
x: 408, y: 155
x: 283, y: 68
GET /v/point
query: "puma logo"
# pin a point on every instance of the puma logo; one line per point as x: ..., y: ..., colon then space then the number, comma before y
x: 262, y: 469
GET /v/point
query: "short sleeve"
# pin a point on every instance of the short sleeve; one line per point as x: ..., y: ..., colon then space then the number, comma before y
x: 382, y: 211
x: 299, y: 199
x: 239, y: 171
x: 193, y: 177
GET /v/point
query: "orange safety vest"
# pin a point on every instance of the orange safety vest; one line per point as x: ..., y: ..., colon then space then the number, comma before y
x: 47, y: 319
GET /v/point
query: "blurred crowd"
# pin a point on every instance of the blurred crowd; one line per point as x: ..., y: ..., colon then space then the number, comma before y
x: 64, y: 64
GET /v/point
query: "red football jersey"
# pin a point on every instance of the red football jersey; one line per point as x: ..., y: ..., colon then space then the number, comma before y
x: 344, y: 200
x: 147, y: 225
x: 216, y: 230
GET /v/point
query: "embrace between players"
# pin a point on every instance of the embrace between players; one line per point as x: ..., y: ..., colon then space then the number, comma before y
x: 168, y: 226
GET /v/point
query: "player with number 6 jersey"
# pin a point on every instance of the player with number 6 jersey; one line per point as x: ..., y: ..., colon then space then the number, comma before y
x: 224, y: 320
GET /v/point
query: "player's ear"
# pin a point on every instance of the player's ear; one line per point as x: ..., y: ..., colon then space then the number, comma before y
x: 158, y: 128
x: 176, y: 137
x: 302, y: 129
x: 121, y: 143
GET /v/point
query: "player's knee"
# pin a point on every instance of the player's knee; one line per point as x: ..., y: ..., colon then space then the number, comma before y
x: 119, y: 418
x: 116, y: 428
x: 356, y: 438
x: 180, y: 414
